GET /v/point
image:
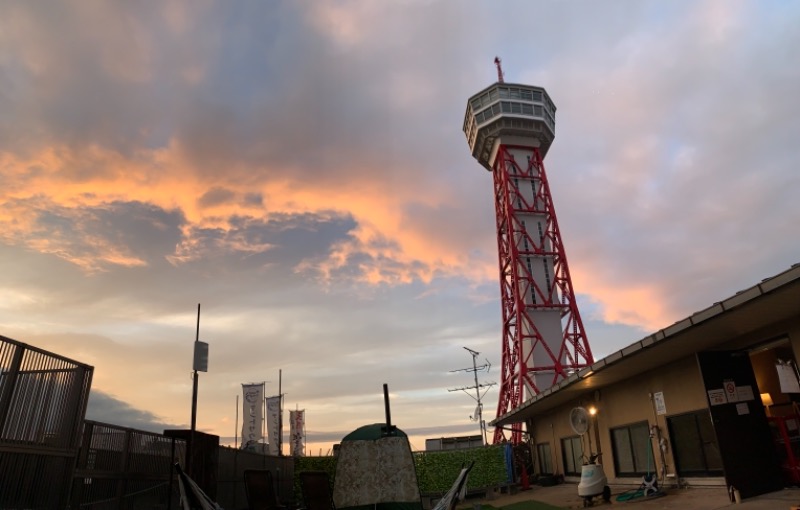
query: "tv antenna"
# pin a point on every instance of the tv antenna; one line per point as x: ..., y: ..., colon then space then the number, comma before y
x: 498, y: 64
x: 480, y: 390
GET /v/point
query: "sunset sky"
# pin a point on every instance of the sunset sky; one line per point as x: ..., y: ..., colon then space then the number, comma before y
x: 299, y: 169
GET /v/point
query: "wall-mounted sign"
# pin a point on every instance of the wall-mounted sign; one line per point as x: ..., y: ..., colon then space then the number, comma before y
x: 717, y: 397
x: 745, y: 393
x: 661, y: 406
x: 730, y: 390
x: 787, y: 376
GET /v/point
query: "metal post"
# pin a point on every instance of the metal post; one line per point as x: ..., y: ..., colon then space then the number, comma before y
x: 477, y: 387
x: 478, y: 396
x: 280, y: 413
x: 236, y: 426
x: 190, y: 446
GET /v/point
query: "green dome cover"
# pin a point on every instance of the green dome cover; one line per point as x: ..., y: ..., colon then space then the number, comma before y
x: 373, y: 433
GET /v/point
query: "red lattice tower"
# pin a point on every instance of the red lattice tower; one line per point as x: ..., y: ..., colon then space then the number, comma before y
x: 509, y: 129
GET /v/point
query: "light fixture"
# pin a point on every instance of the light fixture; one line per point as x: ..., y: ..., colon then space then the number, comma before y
x: 766, y: 399
x: 592, y: 410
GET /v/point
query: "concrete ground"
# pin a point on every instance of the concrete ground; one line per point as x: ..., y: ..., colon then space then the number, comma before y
x: 695, y: 498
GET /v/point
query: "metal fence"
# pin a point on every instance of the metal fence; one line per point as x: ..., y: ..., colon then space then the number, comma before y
x: 230, y: 476
x: 50, y: 457
x: 43, y: 400
x: 123, y: 468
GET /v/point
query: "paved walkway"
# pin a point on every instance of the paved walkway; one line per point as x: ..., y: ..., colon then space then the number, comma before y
x: 694, y: 498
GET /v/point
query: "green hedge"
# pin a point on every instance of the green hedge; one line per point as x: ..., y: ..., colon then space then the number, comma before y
x: 436, y: 471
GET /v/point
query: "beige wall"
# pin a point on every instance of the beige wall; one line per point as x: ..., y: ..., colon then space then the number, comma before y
x: 623, y: 404
x: 631, y: 402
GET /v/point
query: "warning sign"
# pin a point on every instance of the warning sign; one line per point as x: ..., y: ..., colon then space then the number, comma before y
x: 730, y: 391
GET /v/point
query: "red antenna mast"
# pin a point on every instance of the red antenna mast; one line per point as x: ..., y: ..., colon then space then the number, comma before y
x: 497, y: 62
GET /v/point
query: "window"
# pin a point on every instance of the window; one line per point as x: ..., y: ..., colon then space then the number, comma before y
x: 572, y: 449
x: 531, y: 284
x: 537, y: 110
x: 527, y: 109
x: 694, y: 444
x: 506, y: 106
x: 547, y: 274
x: 537, y: 95
x: 633, y: 453
x: 516, y: 108
x: 545, y: 458
x: 525, y: 95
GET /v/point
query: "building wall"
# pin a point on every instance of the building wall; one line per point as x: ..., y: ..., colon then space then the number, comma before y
x: 623, y: 404
x: 631, y: 401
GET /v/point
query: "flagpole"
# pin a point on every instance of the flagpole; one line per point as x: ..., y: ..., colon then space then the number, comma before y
x: 264, y: 421
x: 236, y: 426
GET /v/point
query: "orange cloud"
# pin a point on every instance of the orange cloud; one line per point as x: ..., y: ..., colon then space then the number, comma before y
x: 388, y: 250
x: 622, y: 303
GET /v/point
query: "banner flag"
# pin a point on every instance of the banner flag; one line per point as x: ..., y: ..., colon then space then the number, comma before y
x: 252, y: 413
x: 297, y: 432
x: 274, y: 423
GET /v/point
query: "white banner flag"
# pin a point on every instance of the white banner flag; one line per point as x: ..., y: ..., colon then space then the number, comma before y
x: 274, y: 425
x: 252, y: 413
x: 297, y: 432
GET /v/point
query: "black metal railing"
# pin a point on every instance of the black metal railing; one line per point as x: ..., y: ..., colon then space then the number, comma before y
x: 120, y: 467
x: 43, y: 400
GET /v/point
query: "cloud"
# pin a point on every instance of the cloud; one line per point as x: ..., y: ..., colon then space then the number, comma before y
x: 663, y: 166
x: 106, y: 408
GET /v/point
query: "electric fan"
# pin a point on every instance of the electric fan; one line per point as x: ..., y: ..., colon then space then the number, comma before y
x: 593, y: 478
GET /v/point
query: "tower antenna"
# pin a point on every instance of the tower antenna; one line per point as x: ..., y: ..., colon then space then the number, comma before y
x: 509, y: 131
x: 478, y: 416
x: 498, y: 63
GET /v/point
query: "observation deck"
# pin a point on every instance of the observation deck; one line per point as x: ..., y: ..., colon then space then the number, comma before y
x: 508, y: 110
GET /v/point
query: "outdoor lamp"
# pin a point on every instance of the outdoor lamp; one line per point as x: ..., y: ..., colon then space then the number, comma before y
x: 766, y: 399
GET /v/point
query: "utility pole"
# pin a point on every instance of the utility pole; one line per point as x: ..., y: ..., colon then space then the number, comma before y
x: 477, y: 387
x: 199, y: 364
